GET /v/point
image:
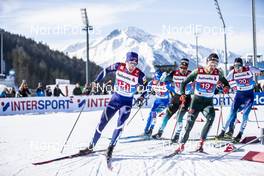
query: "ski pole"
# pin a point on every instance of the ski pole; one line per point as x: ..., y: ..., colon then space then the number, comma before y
x: 256, y: 117
x: 177, y: 117
x: 137, y: 111
x: 73, y: 127
x: 220, y: 116
x: 250, y: 142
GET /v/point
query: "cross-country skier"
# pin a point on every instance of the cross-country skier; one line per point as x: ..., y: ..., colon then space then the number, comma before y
x: 177, y: 76
x: 162, y: 90
x: 128, y: 78
x: 242, y: 80
x: 206, y: 79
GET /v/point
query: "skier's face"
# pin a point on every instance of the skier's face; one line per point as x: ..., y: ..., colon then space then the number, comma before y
x: 183, y: 69
x: 238, y: 67
x: 211, y: 65
x: 131, y: 65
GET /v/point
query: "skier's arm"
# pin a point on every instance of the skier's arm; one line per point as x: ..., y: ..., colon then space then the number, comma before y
x: 223, y: 80
x: 169, y: 77
x: 230, y: 75
x: 170, y: 88
x: 190, y: 78
x: 105, y: 71
x: 256, y: 71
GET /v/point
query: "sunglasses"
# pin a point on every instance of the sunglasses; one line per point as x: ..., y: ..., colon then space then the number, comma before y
x: 183, y: 67
x: 132, y: 63
x: 238, y: 66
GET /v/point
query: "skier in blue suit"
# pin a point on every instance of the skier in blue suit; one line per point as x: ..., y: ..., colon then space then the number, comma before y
x: 128, y: 79
x: 162, y: 91
x: 242, y: 80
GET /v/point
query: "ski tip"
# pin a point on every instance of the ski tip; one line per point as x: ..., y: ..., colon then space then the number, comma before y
x: 39, y: 163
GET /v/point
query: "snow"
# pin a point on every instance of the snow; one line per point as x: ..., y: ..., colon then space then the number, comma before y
x: 31, y: 138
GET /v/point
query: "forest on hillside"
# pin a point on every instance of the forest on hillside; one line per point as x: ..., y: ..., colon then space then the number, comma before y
x: 36, y: 62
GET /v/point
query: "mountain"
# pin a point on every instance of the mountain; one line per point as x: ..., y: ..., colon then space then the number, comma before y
x: 36, y: 62
x: 153, y: 50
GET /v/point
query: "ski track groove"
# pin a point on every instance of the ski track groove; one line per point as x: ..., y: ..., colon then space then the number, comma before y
x: 19, y: 171
x: 98, y: 168
x: 77, y: 166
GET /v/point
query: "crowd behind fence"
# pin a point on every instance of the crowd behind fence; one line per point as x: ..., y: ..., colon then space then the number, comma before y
x: 24, y: 91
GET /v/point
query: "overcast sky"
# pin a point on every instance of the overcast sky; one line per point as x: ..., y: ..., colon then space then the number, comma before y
x: 58, y: 22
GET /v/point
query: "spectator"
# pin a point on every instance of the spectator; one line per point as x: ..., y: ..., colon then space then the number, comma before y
x: 95, y: 89
x: 77, y: 90
x: 48, y: 91
x: 4, y: 93
x: 12, y: 92
x: 40, y: 90
x: 87, y: 89
x: 57, y: 91
x: 23, y: 90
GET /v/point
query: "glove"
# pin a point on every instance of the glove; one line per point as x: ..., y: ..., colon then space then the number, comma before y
x: 225, y: 90
x: 183, y: 98
x: 139, y: 101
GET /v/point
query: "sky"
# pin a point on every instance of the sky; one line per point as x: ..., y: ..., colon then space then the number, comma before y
x: 58, y: 23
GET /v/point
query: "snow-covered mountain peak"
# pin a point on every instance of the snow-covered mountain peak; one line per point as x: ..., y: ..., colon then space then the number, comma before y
x: 153, y: 50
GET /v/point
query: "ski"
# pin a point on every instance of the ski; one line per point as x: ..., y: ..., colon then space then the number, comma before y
x: 135, y: 136
x: 197, y: 151
x: 171, y: 155
x: 136, y: 140
x: 66, y: 157
x: 220, y: 144
x: 130, y: 137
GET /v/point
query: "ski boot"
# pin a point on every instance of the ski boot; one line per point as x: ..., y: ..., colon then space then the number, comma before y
x: 200, y: 146
x: 237, y: 138
x: 158, y: 135
x: 175, y: 138
x: 221, y: 135
x: 180, y: 148
x: 149, y: 132
x: 229, y: 134
x: 109, y: 152
x: 87, y: 150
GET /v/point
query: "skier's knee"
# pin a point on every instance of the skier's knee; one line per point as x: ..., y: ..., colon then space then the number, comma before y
x: 210, y: 119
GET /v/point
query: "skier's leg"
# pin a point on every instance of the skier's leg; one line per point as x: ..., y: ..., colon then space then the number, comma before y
x: 152, y: 114
x: 180, y: 122
x: 192, y: 115
x: 123, y: 116
x: 107, y: 114
x: 246, y: 110
x: 232, y: 115
x: 182, y: 112
x: 171, y: 109
x: 209, y: 113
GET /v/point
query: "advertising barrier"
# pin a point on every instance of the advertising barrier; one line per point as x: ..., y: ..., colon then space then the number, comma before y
x: 12, y: 106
